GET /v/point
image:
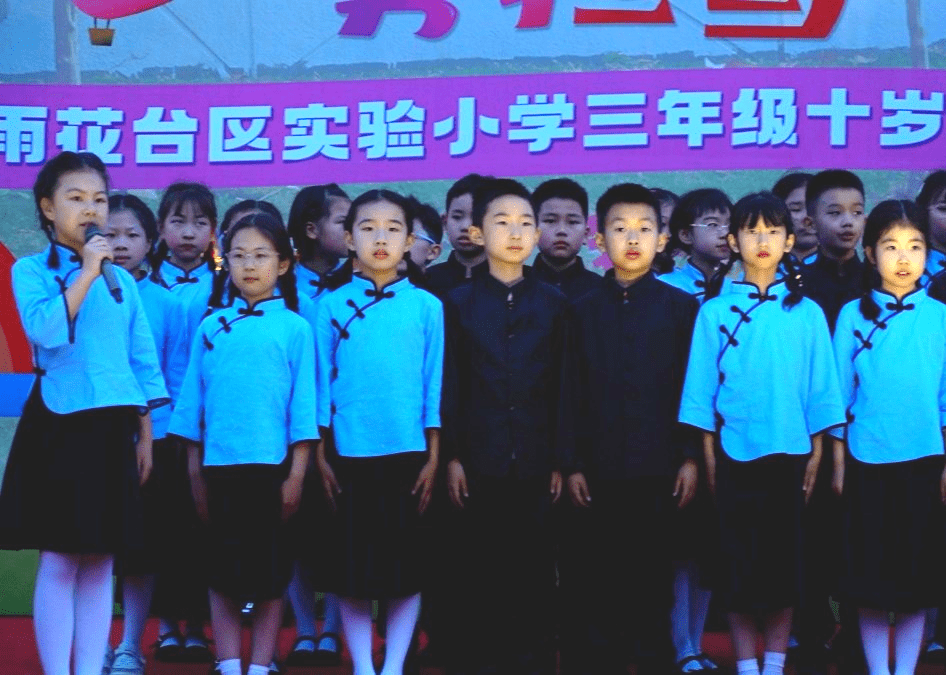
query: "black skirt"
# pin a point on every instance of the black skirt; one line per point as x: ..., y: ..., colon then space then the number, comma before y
x: 249, y: 556
x: 893, y: 530
x: 759, y: 505
x: 378, y: 549
x: 71, y: 483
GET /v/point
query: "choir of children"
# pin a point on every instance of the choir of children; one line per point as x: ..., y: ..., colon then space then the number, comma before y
x: 335, y: 386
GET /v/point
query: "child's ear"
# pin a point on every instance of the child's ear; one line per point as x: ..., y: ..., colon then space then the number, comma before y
x: 312, y: 231
x: 434, y: 252
x: 789, y: 243
x: 730, y: 239
x: 476, y: 235
x: 599, y: 242
x: 808, y: 221
x: 46, y: 206
x: 686, y: 235
x: 409, y: 241
x: 349, y: 241
x: 662, y: 240
x: 869, y: 252
x: 283, y: 266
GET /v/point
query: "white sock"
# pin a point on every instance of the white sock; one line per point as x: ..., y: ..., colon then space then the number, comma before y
x: 699, y: 610
x: 54, y: 610
x: 402, y: 617
x: 302, y: 598
x: 875, y: 634
x: 356, y: 619
x: 907, y: 640
x: 773, y: 663
x: 93, y: 613
x: 680, y: 613
x: 257, y: 669
x: 136, y: 598
x: 231, y: 667
x: 333, y: 616
x: 748, y: 667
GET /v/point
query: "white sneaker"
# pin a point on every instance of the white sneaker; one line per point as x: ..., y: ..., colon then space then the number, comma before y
x: 128, y: 662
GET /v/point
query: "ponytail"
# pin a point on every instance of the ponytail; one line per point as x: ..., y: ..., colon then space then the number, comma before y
x: 288, y: 289
x: 221, y: 277
x: 160, y: 255
x: 341, y: 276
x: 793, y: 281
x: 870, y: 310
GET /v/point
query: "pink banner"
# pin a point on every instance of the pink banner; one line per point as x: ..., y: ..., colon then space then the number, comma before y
x: 237, y: 135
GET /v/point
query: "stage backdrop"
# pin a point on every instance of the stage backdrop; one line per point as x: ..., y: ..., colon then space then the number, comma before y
x: 258, y: 97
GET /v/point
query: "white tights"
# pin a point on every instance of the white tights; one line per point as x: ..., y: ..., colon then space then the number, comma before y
x: 72, y: 603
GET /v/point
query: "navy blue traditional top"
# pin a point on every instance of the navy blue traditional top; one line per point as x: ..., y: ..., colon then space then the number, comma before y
x: 574, y: 281
x: 893, y: 377
x: 832, y: 284
x: 249, y: 393
x: 690, y: 279
x: 445, y: 276
x: 506, y: 377
x: 380, y: 366
x: 168, y: 324
x: 104, y: 356
x: 760, y: 374
x: 629, y: 360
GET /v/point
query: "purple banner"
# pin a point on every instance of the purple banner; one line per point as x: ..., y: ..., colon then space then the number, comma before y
x: 237, y: 135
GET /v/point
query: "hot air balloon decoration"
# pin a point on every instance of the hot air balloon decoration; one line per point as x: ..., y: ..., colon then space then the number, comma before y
x: 111, y: 9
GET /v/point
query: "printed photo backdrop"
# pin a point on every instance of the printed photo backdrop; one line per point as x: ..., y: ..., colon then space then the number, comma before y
x: 257, y: 98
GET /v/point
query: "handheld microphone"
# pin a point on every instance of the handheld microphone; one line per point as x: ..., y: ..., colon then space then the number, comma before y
x: 108, y: 272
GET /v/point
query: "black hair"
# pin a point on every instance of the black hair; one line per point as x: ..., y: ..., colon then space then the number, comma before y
x: 414, y: 273
x: 173, y: 200
x: 745, y: 213
x: 144, y: 216
x: 830, y: 180
x: 465, y: 186
x: 695, y: 204
x: 790, y: 182
x: 273, y: 229
x: 47, y: 180
x: 246, y: 206
x: 428, y: 217
x: 491, y: 189
x: 560, y: 188
x: 625, y: 193
x: 312, y: 204
x: 880, y: 220
x: 934, y: 186
x: 663, y: 261
x: 665, y: 197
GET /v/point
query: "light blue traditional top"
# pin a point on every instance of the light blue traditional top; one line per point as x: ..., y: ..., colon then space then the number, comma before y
x: 309, y: 283
x: 105, y: 356
x: 690, y: 279
x: 168, y: 323
x: 893, y: 377
x: 249, y: 392
x: 935, y: 263
x: 380, y: 366
x: 192, y: 288
x: 761, y: 375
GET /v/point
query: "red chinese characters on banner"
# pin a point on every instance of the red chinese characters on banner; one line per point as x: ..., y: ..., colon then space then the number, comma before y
x: 440, y: 16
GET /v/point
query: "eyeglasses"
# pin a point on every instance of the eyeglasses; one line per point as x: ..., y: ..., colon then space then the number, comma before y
x: 241, y: 259
x: 714, y: 225
x: 426, y: 238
